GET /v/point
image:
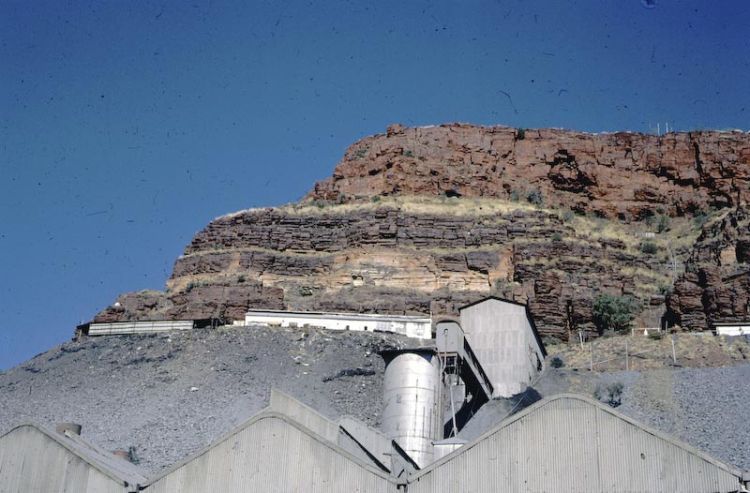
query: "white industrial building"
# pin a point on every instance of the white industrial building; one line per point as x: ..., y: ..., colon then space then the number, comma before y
x: 409, y: 326
x: 35, y: 460
x: 275, y: 452
x: 732, y: 329
x: 136, y: 327
x: 504, y: 338
x: 566, y: 443
x: 570, y: 443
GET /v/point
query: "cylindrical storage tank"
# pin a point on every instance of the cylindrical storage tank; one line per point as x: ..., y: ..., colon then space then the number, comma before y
x: 411, y: 415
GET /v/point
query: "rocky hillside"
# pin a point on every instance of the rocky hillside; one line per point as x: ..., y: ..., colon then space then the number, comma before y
x: 422, y: 220
x: 169, y: 395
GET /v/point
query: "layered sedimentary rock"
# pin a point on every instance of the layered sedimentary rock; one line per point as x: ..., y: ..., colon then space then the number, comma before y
x: 716, y: 284
x: 396, y: 258
x: 423, y: 220
x: 622, y: 174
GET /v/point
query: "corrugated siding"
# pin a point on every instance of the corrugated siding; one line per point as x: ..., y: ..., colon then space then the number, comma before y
x: 146, y: 327
x: 304, y: 415
x: 31, y: 462
x: 502, y: 338
x: 572, y: 445
x: 271, y: 455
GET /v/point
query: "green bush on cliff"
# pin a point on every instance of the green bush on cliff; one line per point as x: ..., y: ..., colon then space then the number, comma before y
x: 535, y: 197
x: 614, y: 313
x: 649, y: 247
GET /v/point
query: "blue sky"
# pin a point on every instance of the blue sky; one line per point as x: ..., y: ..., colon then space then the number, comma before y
x: 125, y: 126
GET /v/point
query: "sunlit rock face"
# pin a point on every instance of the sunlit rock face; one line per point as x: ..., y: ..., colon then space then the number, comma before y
x: 424, y: 220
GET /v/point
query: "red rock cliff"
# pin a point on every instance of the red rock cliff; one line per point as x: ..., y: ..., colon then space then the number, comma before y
x: 625, y: 175
x: 421, y: 220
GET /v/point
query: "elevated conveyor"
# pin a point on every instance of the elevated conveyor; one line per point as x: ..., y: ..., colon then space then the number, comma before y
x: 457, y: 358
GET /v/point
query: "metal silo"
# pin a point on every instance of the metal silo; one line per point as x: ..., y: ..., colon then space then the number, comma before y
x: 412, y: 415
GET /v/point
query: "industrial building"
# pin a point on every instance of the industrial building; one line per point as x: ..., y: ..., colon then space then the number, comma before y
x: 35, y: 460
x: 732, y: 328
x: 572, y: 443
x: 409, y: 326
x: 275, y: 452
x: 565, y: 443
x: 431, y: 390
x: 505, y: 340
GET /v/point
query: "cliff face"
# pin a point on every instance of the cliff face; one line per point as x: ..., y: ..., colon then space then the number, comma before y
x: 400, y: 257
x: 716, y: 284
x: 623, y: 175
x: 423, y: 220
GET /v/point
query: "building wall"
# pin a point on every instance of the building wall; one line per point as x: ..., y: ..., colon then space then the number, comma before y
x: 32, y: 462
x: 416, y: 327
x: 570, y: 444
x: 304, y: 415
x: 733, y: 330
x: 503, y: 340
x: 145, y: 327
x: 272, y: 455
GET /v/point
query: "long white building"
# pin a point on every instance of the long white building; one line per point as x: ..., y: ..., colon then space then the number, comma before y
x: 410, y: 326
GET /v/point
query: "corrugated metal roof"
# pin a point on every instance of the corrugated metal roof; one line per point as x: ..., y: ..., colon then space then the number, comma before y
x: 272, y: 452
x: 114, y: 468
x: 572, y: 443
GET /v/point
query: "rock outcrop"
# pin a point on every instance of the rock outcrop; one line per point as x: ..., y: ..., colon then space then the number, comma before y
x: 716, y: 284
x: 398, y: 258
x: 625, y: 175
x: 423, y: 220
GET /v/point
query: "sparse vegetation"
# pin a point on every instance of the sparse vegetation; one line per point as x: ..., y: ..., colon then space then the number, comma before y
x: 375, y: 199
x: 556, y: 237
x: 556, y: 362
x: 614, y: 313
x: 662, y: 224
x: 535, y: 197
x: 514, y: 196
x: 408, y: 154
x: 610, y: 394
x: 649, y: 247
x: 665, y: 289
x: 360, y: 153
x: 699, y: 219
x: 520, y: 133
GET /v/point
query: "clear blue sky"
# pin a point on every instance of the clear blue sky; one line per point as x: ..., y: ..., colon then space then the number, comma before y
x: 125, y: 126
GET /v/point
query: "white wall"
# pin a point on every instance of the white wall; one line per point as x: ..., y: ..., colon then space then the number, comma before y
x: 416, y: 327
x: 733, y: 330
x: 503, y: 340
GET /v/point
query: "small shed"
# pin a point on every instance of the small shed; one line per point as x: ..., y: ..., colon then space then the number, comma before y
x: 570, y: 443
x: 33, y: 459
x: 504, y: 338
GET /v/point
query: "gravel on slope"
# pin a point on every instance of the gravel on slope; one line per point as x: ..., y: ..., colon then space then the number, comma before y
x: 171, y: 394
